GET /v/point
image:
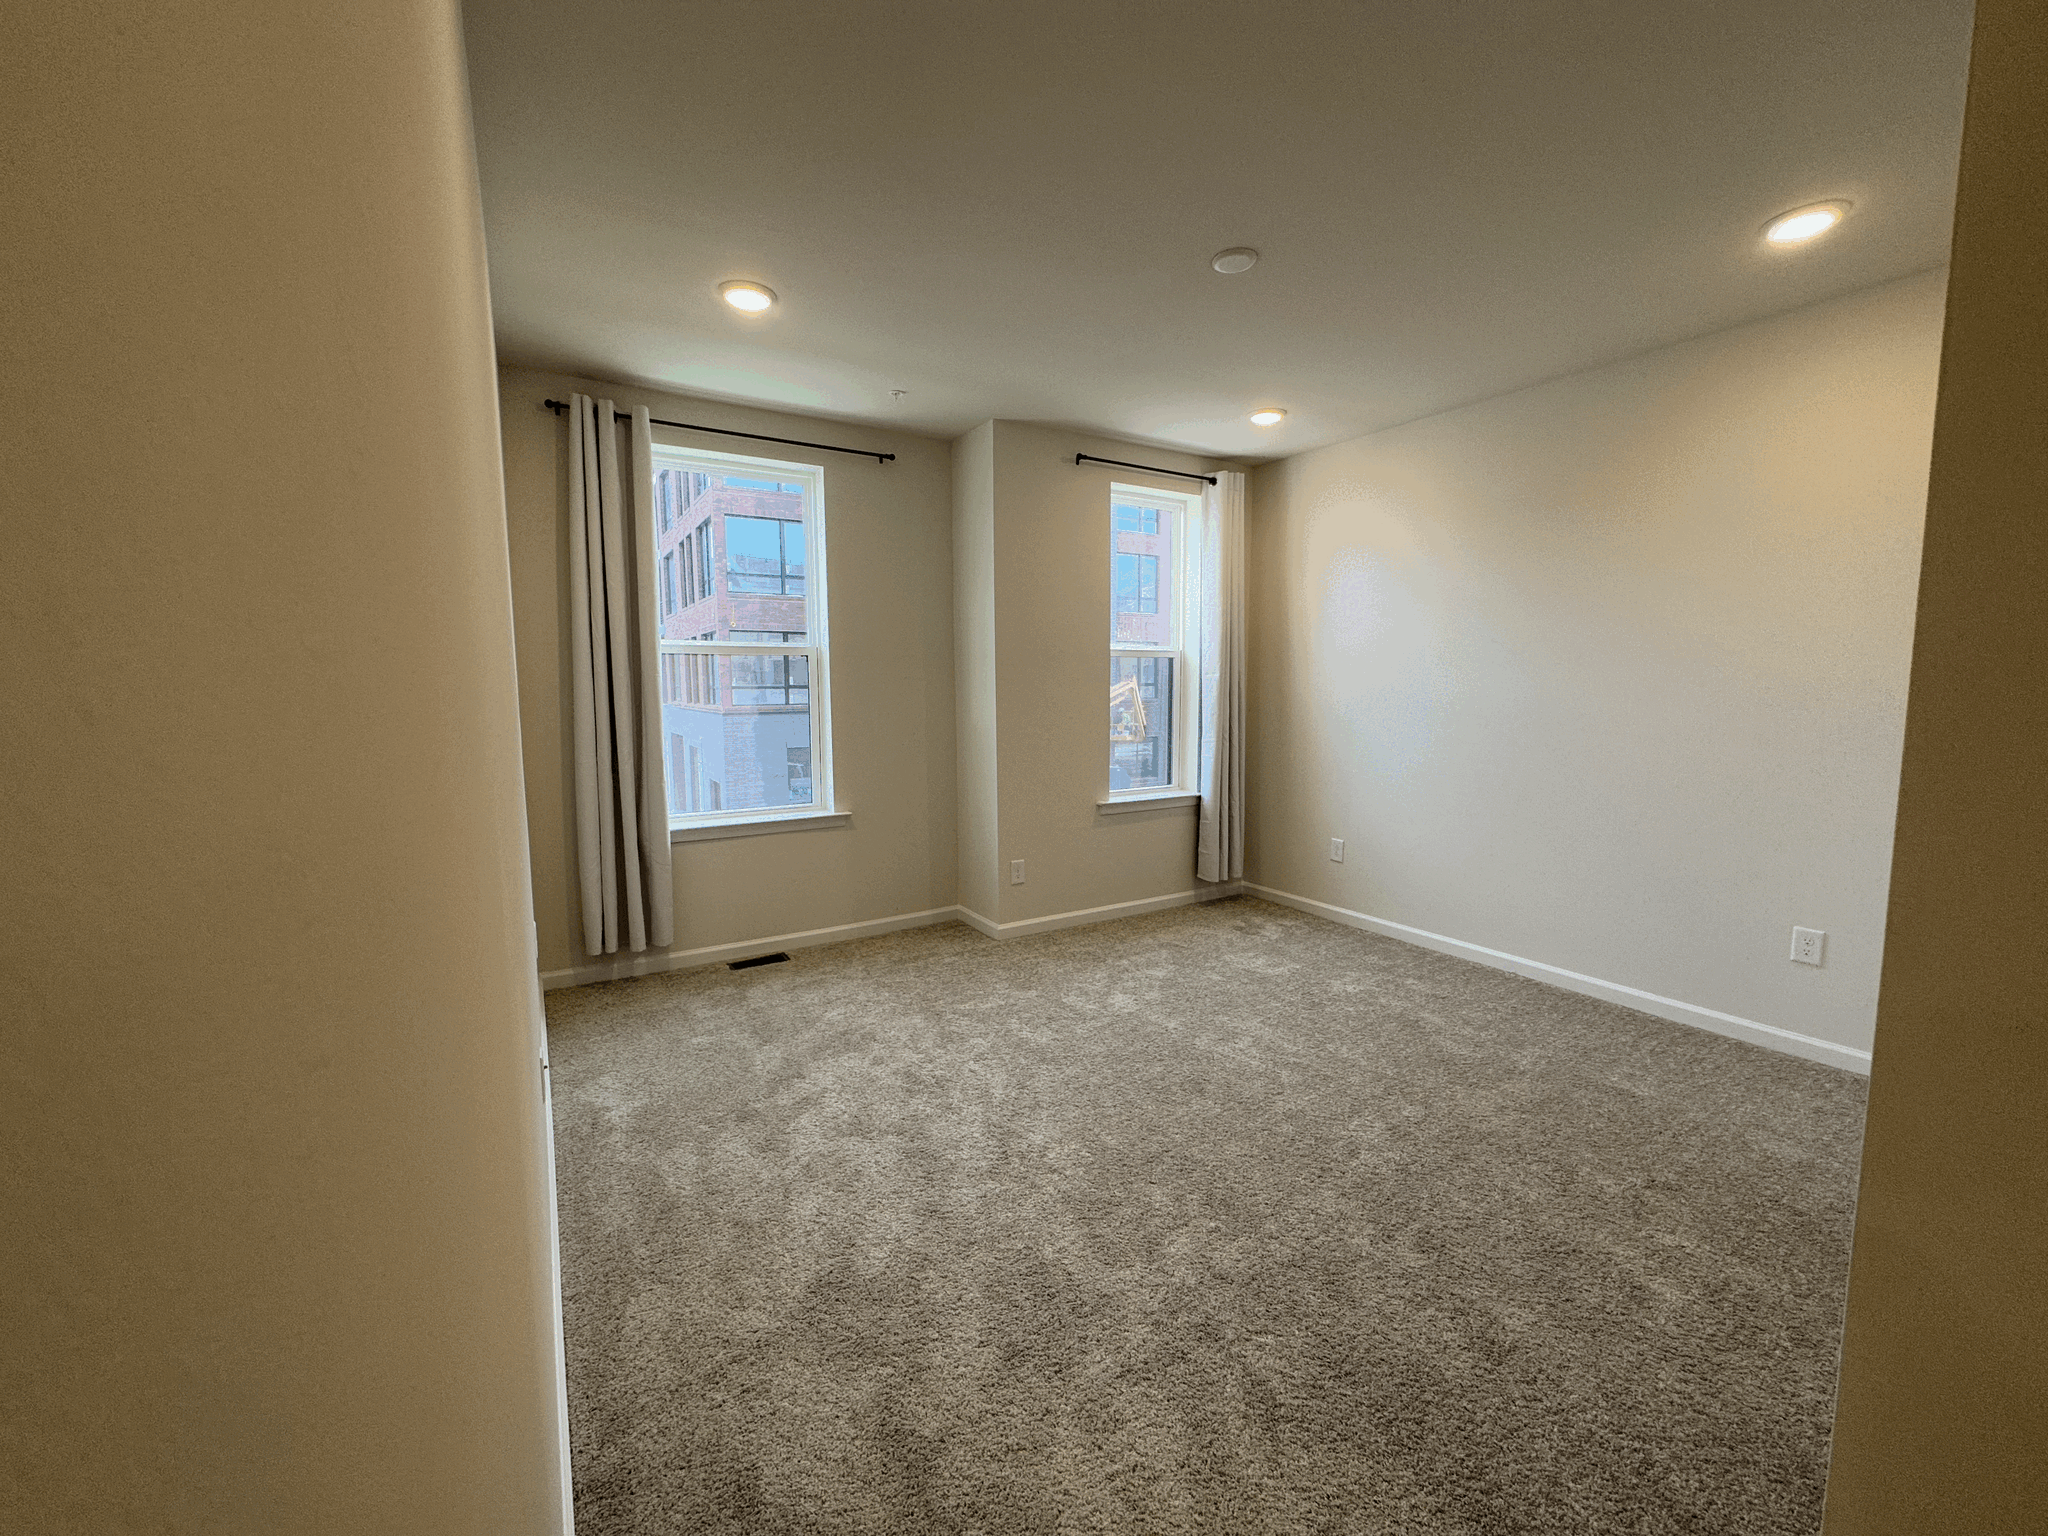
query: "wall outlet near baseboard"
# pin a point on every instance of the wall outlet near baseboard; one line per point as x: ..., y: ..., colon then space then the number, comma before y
x: 1016, y: 871
x: 1336, y: 850
x: 1808, y: 945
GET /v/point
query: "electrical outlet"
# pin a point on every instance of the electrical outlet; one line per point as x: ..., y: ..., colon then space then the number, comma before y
x: 1808, y: 944
x: 1016, y: 871
x: 1336, y: 850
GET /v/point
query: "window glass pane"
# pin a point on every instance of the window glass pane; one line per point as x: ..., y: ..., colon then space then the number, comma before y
x: 753, y: 554
x: 1137, y: 583
x: 770, y: 682
x: 742, y: 741
x: 742, y: 555
x: 793, y: 557
x: 678, y: 779
x: 1140, y: 722
x: 1141, y: 567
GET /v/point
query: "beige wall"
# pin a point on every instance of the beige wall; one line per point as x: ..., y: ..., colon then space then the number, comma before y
x: 1943, y: 1419
x: 891, y: 584
x: 974, y: 663
x: 1048, y: 570
x: 1609, y: 673
x: 271, y: 1144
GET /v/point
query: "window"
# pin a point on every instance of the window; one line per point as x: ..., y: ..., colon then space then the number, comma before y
x: 764, y: 554
x: 665, y: 499
x: 689, y: 679
x: 1148, y: 538
x: 743, y: 640
x: 1137, y: 582
x: 694, y: 550
x: 779, y: 681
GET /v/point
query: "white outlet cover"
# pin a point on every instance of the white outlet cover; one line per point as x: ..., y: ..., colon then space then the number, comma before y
x: 1336, y: 850
x: 1016, y: 871
x: 1809, y: 945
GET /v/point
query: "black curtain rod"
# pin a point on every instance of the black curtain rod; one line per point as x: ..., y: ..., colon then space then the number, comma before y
x: 1150, y: 469
x: 559, y: 406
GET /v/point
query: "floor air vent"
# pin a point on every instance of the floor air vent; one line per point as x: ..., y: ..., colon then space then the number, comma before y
x: 749, y: 964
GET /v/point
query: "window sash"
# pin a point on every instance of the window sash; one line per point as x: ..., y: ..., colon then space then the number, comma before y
x: 742, y: 647
x: 801, y: 571
x: 1151, y: 518
x: 1176, y: 673
x: 724, y: 688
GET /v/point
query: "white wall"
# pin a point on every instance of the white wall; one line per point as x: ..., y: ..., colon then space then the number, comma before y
x: 890, y: 547
x: 272, y: 1149
x: 1609, y: 673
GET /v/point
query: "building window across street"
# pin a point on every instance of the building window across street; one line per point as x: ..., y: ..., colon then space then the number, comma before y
x: 739, y: 544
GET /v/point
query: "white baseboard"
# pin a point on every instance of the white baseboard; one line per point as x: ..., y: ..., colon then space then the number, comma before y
x: 622, y: 966
x: 715, y: 954
x: 1809, y: 1046
x: 1084, y: 915
x: 979, y: 923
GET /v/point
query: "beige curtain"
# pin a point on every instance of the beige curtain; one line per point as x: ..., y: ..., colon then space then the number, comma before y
x: 1219, y: 831
x: 622, y: 856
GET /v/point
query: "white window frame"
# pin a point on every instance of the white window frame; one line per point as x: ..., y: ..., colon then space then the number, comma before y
x: 816, y: 650
x: 1185, y: 509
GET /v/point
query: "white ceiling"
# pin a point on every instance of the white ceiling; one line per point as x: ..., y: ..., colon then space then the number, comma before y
x: 1008, y: 209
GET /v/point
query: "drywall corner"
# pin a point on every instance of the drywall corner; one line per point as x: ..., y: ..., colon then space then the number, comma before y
x: 974, y: 664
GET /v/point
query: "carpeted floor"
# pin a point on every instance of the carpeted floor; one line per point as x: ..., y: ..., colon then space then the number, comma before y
x: 1223, y: 1220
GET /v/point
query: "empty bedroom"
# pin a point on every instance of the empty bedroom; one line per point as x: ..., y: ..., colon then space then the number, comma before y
x: 1043, y: 769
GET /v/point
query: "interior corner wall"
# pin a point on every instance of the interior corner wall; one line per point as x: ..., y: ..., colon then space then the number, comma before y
x: 1942, y: 1423
x: 889, y: 547
x: 1609, y: 673
x: 1047, y: 577
x: 272, y: 1147
x: 974, y: 662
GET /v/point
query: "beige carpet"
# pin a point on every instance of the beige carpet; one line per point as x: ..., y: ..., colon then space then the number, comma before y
x: 1222, y: 1220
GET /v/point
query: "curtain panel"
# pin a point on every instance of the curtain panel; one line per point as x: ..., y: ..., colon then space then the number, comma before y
x: 622, y: 855
x: 1219, y: 831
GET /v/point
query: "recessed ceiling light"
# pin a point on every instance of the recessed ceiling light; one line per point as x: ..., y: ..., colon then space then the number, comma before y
x: 1803, y: 224
x: 1238, y: 258
x: 1271, y: 416
x: 750, y: 297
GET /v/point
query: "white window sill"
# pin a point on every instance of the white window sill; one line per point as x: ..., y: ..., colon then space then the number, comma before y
x: 754, y: 825
x: 1166, y: 800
